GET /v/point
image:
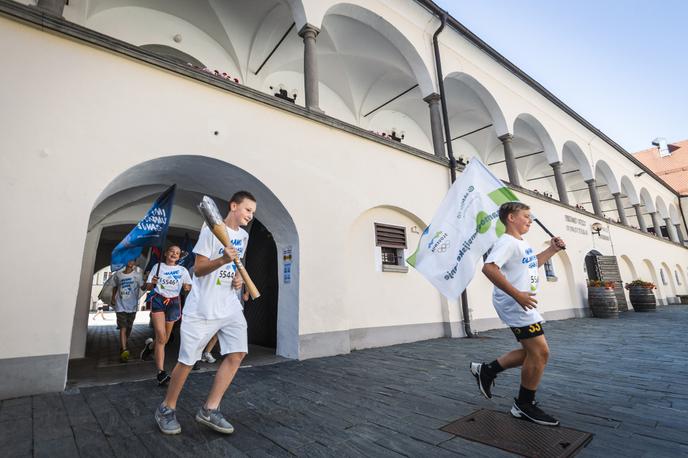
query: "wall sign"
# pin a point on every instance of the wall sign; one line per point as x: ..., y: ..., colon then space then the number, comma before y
x: 577, y: 225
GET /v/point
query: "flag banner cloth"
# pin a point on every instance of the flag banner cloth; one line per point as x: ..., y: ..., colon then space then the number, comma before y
x: 150, y: 231
x: 463, y: 229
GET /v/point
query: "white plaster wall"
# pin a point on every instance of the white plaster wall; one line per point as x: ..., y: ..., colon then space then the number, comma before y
x: 326, y: 179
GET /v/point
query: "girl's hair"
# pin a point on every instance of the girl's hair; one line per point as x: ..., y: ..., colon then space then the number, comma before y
x: 510, y: 207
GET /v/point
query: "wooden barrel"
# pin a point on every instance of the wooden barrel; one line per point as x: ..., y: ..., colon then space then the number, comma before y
x: 602, y: 302
x: 642, y: 299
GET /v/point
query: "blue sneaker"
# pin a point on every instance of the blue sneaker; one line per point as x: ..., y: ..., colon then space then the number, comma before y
x: 214, y: 419
x: 166, y: 419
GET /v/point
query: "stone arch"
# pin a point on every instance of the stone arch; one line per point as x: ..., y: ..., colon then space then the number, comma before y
x: 393, y: 35
x: 534, y: 151
x: 674, y: 214
x: 393, y: 293
x: 538, y: 132
x: 483, y: 100
x: 646, y: 201
x: 220, y: 180
x: 576, y: 170
x: 649, y: 269
x: 628, y: 273
x: 683, y: 287
x: 552, y: 294
x: 604, y: 172
x: 661, y: 207
x: 671, y: 297
x: 628, y: 190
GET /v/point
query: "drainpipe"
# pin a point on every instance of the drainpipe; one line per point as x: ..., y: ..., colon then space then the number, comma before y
x: 450, y: 152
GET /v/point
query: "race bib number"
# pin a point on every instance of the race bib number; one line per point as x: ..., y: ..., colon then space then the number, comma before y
x: 225, y: 275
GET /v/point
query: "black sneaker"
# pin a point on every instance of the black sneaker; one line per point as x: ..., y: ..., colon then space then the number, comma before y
x: 163, y: 378
x: 147, y: 350
x: 532, y: 413
x: 485, y: 381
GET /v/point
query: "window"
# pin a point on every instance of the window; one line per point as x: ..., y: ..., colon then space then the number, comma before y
x: 549, y: 271
x: 678, y: 281
x: 392, y: 242
x: 106, y: 275
x: 661, y: 274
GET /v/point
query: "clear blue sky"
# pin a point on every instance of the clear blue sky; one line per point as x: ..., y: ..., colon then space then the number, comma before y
x: 621, y: 64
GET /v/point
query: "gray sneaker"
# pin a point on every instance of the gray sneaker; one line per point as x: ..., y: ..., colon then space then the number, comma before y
x: 214, y: 419
x: 167, y: 420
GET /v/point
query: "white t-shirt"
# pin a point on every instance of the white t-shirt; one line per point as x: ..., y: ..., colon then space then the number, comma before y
x: 170, y: 279
x: 518, y: 262
x: 212, y: 296
x: 128, y: 287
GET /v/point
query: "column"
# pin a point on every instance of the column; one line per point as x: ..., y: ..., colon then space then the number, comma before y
x: 639, y: 216
x: 561, y: 185
x: 433, y: 101
x: 657, y: 225
x: 620, y: 208
x: 679, y: 233
x: 310, y: 67
x: 670, y: 230
x: 510, y: 159
x: 594, y: 197
x: 55, y: 7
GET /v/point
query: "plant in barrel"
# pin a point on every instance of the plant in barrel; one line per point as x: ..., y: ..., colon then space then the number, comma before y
x: 602, y: 299
x: 641, y: 295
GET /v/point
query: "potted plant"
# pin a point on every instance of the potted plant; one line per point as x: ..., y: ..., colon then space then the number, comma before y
x: 641, y: 295
x: 602, y: 299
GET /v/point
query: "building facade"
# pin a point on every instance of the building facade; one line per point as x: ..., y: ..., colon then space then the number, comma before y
x: 330, y: 114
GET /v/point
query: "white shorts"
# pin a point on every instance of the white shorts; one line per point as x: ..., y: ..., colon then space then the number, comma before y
x: 196, y: 333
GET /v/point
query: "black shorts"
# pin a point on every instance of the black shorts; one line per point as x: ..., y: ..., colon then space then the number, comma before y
x: 527, y: 332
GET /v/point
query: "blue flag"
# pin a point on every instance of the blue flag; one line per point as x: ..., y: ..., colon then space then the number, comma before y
x: 150, y: 231
x: 188, y: 257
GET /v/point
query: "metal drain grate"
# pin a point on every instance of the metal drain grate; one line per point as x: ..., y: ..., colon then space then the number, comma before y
x: 501, y: 430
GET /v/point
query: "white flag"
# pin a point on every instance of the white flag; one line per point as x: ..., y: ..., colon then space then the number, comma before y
x: 464, y: 228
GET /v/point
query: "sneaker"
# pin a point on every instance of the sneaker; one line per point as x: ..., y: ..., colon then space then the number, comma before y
x: 196, y: 367
x: 163, y: 378
x: 214, y: 419
x: 166, y: 419
x: 147, y: 349
x: 485, y: 381
x: 532, y: 413
x: 124, y: 356
x: 208, y: 357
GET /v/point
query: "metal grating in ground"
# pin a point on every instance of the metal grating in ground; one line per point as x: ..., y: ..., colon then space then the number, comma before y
x: 501, y: 430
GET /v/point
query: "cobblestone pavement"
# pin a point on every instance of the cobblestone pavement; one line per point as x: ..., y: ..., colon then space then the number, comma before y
x: 624, y: 380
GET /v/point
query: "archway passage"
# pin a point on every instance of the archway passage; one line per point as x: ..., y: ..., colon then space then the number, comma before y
x: 126, y: 199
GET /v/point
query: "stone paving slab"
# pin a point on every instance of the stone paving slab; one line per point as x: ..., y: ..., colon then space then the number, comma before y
x: 624, y: 380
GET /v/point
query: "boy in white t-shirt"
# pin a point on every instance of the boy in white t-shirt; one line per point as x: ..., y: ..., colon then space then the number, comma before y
x: 513, y: 268
x: 213, y: 307
x: 125, y: 298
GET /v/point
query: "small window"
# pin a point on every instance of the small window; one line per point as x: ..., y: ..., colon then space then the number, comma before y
x: 678, y: 281
x: 549, y: 271
x: 661, y: 274
x: 392, y: 243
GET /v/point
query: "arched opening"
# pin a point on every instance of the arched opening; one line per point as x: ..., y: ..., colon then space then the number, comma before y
x: 663, y: 213
x: 648, y: 207
x: 631, y: 201
x: 649, y: 272
x: 272, y: 319
x: 607, y: 186
x: 476, y: 122
x: 534, y: 152
x: 669, y: 283
x: 591, y: 266
x: 372, y: 76
x: 576, y: 170
x: 558, y: 277
x: 628, y: 273
x: 682, y: 287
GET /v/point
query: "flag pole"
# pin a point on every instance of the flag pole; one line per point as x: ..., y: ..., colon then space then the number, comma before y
x: 546, y: 230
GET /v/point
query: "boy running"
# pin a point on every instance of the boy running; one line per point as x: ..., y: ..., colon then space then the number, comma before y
x: 213, y: 307
x: 513, y: 268
x: 125, y: 298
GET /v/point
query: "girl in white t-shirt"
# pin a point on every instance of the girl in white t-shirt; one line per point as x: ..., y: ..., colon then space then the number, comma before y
x: 167, y: 281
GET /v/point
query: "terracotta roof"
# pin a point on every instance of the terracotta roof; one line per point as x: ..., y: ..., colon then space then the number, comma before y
x: 672, y: 169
